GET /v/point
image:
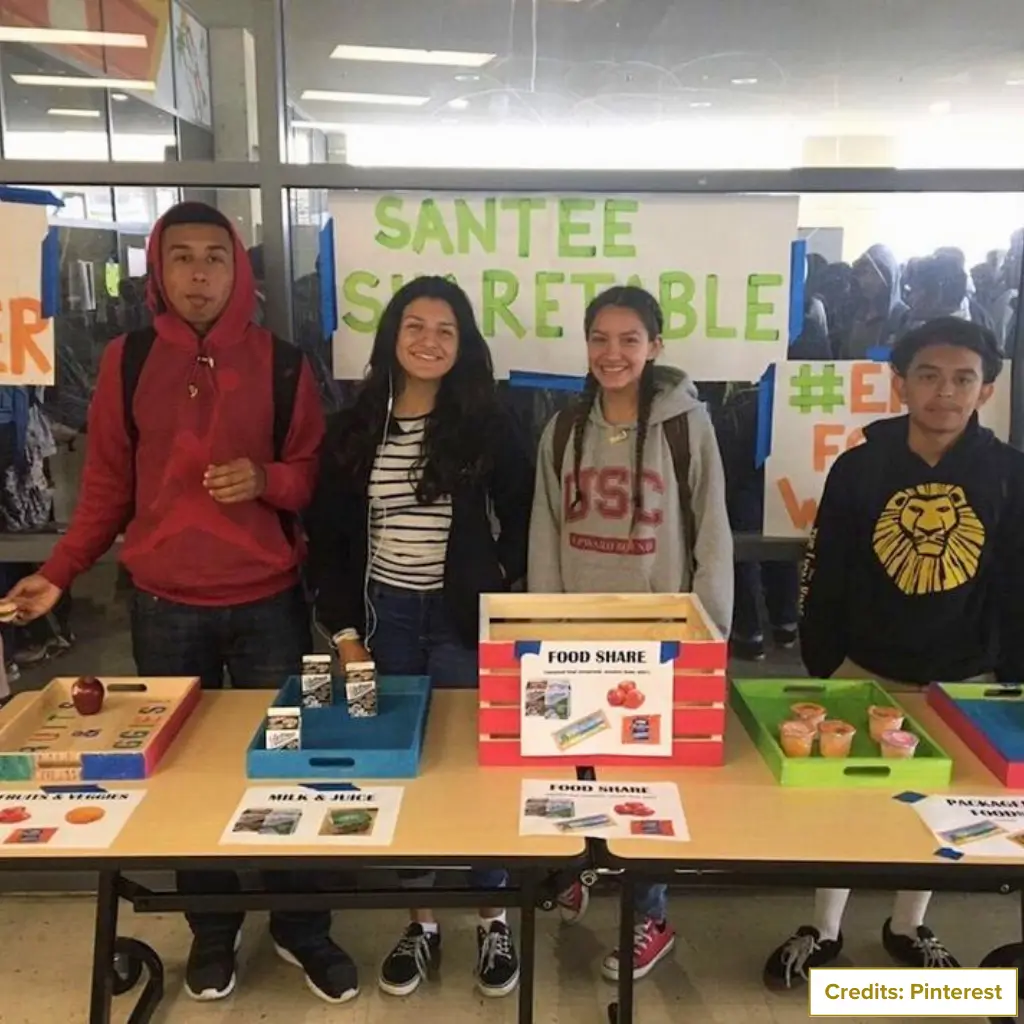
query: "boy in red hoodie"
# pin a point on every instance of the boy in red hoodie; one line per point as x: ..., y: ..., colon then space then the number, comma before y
x: 204, y: 504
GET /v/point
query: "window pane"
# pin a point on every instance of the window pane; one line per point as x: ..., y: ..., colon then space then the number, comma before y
x: 669, y: 84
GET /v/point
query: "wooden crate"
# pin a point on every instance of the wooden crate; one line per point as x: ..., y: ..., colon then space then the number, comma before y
x: 699, y: 690
x: 49, y: 741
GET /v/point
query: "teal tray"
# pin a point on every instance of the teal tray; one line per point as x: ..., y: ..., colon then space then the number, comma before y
x: 762, y: 705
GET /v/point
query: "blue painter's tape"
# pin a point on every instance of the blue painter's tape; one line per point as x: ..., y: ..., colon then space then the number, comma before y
x: 31, y: 196
x: 50, y: 280
x: 765, y: 409
x: 797, y: 287
x: 880, y: 354
x: 327, y: 271
x: 910, y: 798
x: 526, y: 647
x: 546, y: 381
x: 669, y: 650
x: 948, y: 854
x: 55, y: 790
x: 330, y: 787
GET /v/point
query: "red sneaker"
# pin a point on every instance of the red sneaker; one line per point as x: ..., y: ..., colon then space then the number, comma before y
x: 652, y: 941
x: 573, y: 902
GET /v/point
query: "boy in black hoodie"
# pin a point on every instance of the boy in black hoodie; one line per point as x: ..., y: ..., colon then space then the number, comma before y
x: 915, y: 573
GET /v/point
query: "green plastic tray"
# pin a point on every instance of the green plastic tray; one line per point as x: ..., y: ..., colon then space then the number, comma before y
x: 763, y: 704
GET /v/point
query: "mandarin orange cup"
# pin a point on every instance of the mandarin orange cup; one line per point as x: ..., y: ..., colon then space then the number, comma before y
x: 883, y: 718
x: 812, y: 714
x: 899, y: 745
x: 835, y: 738
x: 796, y: 738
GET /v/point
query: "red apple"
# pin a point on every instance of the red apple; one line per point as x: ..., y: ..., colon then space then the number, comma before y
x: 627, y: 686
x: 13, y: 815
x: 87, y: 695
x: 615, y: 697
x: 633, y: 699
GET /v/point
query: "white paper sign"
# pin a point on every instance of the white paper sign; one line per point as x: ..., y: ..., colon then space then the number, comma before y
x: 602, y: 810
x: 82, y: 817
x: 581, y: 699
x: 26, y: 339
x: 720, y: 266
x: 318, y: 813
x: 976, y: 826
x: 820, y: 410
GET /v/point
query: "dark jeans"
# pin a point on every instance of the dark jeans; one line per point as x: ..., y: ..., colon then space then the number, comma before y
x: 259, y: 644
x: 780, y: 582
x: 414, y: 636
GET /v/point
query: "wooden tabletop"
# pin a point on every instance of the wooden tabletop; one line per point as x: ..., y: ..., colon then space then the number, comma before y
x: 740, y: 813
x: 454, y: 809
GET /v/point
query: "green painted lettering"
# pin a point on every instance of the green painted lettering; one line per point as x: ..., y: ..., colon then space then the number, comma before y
x: 756, y: 308
x: 593, y: 283
x: 525, y: 206
x: 712, y: 328
x: 545, y: 305
x: 615, y: 229
x: 430, y: 227
x: 354, y: 289
x: 501, y: 288
x: 469, y: 227
x: 676, y: 291
x: 568, y: 229
x: 388, y: 212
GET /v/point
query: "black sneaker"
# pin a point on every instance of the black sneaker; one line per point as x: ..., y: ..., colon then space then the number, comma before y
x: 785, y: 637
x: 748, y: 650
x: 330, y: 971
x: 787, y: 967
x: 921, y: 950
x: 497, y: 963
x: 211, y: 970
x: 416, y: 958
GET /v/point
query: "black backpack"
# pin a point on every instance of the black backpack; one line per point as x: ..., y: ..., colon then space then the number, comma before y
x: 287, y: 368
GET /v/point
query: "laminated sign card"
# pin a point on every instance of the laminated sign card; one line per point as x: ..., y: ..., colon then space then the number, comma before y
x: 582, y: 699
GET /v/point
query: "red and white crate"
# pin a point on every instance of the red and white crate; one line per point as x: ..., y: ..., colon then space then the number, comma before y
x: 699, y: 682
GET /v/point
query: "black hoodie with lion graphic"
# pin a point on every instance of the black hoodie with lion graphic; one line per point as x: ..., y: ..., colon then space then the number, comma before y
x: 916, y: 572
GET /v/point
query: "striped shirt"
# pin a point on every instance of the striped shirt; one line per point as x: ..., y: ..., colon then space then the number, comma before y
x: 408, y: 541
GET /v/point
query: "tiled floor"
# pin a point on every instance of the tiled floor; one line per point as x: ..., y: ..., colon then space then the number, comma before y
x: 713, y: 977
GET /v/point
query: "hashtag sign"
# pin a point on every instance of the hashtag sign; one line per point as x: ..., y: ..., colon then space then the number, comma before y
x: 817, y: 387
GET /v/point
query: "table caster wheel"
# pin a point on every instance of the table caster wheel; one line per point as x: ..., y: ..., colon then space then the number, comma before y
x: 127, y: 971
x: 547, y: 904
x: 1006, y: 956
x: 613, y: 1013
x: 589, y: 878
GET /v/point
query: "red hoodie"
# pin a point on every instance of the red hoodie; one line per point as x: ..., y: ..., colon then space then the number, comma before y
x: 181, y: 544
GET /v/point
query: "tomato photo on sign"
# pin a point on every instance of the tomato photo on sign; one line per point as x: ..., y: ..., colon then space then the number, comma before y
x: 616, y: 698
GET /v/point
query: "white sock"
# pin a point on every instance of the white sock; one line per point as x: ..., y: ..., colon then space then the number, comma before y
x: 908, y: 912
x: 486, y: 922
x: 430, y: 927
x: 829, y: 906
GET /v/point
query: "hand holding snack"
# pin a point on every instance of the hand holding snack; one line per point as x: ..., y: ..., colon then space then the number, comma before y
x: 33, y: 597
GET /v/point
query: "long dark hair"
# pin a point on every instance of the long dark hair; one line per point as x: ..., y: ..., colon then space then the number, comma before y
x: 646, y: 307
x: 458, y: 437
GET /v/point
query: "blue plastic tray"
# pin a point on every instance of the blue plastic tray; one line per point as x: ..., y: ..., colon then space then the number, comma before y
x: 336, y: 746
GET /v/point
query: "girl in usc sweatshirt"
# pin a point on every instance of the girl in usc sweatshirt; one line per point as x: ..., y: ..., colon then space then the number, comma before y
x: 608, y: 515
x: 199, y: 402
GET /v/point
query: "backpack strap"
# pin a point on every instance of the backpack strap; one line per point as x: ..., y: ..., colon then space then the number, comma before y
x: 286, y: 371
x: 563, y: 434
x: 137, y: 346
x: 677, y: 434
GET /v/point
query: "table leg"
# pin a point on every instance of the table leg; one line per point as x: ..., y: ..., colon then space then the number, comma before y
x: 527, y: 946
x: 624, y: 1013
x: 103, y: 949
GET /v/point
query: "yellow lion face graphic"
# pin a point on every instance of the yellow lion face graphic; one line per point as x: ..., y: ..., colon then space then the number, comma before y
x: 928, y: 539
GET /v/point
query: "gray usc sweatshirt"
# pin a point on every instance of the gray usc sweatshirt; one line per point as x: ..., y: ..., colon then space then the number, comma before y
x: 595, y: 548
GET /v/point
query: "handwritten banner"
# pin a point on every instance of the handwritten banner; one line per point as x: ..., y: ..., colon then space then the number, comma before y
x: 819, y: 411
x: 720, y: 267
x: 26, y: 335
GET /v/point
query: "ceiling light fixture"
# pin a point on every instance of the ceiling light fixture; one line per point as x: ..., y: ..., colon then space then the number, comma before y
x: 940, y: 108
x: 381, y: 99
x: 121, y: 97
x: 461, y: 103
x: 702, y: 105
x: 74, y: 82
x: 744, y: 81
x: 72, y: 112
x: 398, y: 55
x: 320, y: 126
x: 71, y: 37
x: 1015, y: 81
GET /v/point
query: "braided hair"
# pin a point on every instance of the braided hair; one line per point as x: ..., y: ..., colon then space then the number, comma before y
x: 647, y: 309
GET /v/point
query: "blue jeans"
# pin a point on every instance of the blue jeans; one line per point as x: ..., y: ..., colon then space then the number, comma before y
x: 414, y: 636
x: 651, y: 901
x: 260, y: 645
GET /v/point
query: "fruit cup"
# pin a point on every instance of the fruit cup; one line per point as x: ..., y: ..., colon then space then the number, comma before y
x: 835, y: 737
x: 796, y: 738
x: 882, y: 718
x: 898, y: 744
x: 812, y: 714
